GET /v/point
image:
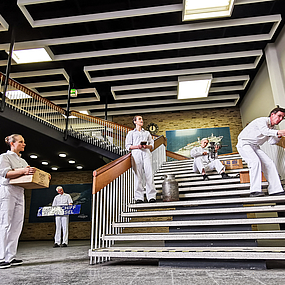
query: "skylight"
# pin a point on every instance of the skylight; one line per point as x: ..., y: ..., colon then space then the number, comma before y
x: 206, y: 9
x: 32, y: 55
x: 190, y: 87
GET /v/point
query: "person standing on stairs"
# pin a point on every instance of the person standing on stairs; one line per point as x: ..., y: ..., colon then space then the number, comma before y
x: 250, y: 139
x: 203, y: 160
x: 140, y: 142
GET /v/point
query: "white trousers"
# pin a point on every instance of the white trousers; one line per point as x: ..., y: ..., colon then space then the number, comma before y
x: 142, y: 168
x: 11, y: 222
x: 258, y: 161
x: 61, y: 222
x: 214, y: 164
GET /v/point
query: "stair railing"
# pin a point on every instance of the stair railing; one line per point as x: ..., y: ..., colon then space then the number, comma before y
x: 102, y: 133
x: 112, y: 191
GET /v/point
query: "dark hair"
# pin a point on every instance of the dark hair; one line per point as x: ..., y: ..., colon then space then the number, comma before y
x: 135, y: 118
x: 276, y: 110
x: 11, y: 138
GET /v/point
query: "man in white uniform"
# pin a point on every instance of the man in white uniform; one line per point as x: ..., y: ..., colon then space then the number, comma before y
x: 251, y: 137
x: 203, y: 160
x: 140, y: 143
x: 61, y: 222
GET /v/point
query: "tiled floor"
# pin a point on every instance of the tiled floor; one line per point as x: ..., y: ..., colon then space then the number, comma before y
x: 46, y: 265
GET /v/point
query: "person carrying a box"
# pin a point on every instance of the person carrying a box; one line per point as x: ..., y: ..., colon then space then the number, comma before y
x: 250, y: 139
x: 140, y: 142
x: 61, y: 222
x: 12, y: 199
x: 204, y: 161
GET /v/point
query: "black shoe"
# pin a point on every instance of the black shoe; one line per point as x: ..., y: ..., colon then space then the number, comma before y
x: 64, y: 245
x: 139, y: 201
x: 205, y: 177
x: 4, y: 265
x: 225, y: 175
x: 56, y: 245
x: 256, y: 194
x: 152, y: 200
x: 278, y: 194
x: 16, y: 262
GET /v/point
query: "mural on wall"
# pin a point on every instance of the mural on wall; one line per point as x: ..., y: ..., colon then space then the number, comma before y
x: 182, y: 141
x: 80, y: 194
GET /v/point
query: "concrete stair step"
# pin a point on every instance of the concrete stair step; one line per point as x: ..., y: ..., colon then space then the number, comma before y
x: 215, y: 194
x: 241, y: 200
x: 193, y: 223
x: 194, y: 175
x: 190, y: 172
x: 248, y: 209
x: 231, y: 235
x: 212, y: 180
x: 266, y: 253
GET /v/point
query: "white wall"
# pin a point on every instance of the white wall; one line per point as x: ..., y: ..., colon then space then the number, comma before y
x: 258, y: 101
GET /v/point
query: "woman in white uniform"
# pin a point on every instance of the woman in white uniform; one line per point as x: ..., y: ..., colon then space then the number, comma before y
x: 140, y: 143
x: 11, y: 199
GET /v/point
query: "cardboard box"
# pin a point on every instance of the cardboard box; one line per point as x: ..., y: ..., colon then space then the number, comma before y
x: 40, y: 179
x: 232, y: 163
x: 244, y: 177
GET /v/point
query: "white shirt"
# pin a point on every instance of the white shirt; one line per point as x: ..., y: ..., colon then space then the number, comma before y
x: 9, y: 161
x: 135, y: 137
x: 258, y: 132
x: 62, y: 200
x: 198, y: 152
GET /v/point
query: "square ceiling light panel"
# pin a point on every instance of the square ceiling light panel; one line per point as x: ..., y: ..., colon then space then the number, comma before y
x: 191, y: 87
x: 206, y: 9
x: 17, y: 94
x: 32, y: 55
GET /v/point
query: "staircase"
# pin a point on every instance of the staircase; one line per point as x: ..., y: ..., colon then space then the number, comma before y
x: 214, y: 224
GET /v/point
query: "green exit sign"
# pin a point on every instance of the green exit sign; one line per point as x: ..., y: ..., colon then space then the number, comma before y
x: 73, y: 93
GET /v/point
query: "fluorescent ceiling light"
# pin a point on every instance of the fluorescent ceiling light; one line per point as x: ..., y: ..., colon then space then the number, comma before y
x: 54, y: 168
x: 205, y: 9
x: 17, y: 94
x: 84, y: 112
x: 71, y: 161
x: 69, y: 117
x: 32, y: 55
x: 190, y: 87
x: 79, y: 167
x: 44, y: 163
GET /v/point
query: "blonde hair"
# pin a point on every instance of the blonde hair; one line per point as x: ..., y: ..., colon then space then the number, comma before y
x: 11, y: 138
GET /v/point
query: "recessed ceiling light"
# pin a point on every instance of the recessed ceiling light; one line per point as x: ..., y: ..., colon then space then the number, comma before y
x: 54, y: 168
x: 62, y: 154
x: 205, y: 9
x: 34, y: 156
x: 71, y: 161
x: 44, y: 163
x: 32, y: 55
x: 197, y: 86
x: 79, y: 167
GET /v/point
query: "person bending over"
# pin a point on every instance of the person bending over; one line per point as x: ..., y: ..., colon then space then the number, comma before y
x: 250, y: 139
